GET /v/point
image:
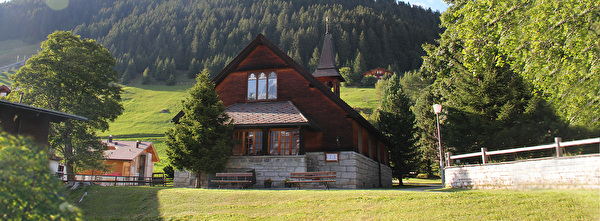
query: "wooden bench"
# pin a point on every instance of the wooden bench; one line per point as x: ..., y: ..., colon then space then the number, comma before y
x: 313, y: 177
x: 240, y: 180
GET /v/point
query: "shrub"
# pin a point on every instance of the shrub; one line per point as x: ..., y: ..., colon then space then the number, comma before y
x: 369, y: 81
x: 28, y: 190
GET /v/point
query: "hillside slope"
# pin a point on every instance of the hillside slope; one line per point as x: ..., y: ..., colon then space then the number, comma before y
x: 145, y: 33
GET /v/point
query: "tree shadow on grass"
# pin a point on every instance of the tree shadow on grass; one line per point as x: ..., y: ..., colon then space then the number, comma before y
x: 117, y: 202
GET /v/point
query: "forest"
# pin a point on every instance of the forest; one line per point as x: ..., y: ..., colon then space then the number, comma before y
x: 160, y: 37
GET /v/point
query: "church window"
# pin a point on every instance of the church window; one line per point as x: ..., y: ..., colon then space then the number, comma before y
x: 262, y: 87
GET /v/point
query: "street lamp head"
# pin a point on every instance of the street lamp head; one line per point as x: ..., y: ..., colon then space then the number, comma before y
x: 437, y: 108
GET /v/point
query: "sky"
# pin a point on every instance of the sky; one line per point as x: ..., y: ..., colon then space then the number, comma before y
x: 435, y: 5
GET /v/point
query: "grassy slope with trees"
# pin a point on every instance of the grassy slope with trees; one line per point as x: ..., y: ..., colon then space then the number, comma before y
x: 149, y: 34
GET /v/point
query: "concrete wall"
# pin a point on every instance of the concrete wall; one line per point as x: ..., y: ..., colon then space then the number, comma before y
x: 578, y: 172
x: 353, y: 170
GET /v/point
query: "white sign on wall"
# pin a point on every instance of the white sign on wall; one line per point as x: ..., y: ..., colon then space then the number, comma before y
x: 332, y: 157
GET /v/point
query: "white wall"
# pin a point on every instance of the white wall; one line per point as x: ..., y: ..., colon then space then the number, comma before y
x: 577, y: 172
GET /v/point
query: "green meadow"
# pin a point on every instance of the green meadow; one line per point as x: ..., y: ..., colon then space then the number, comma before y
x: 160, y: 203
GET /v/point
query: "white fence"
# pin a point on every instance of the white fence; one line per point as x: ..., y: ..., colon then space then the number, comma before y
x: 555, y: 171
x: 558, y: 146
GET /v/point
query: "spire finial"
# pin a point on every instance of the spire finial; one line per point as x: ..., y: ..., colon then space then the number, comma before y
x: 327, y: 25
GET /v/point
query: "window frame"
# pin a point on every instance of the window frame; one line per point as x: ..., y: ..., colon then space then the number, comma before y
x: 269, y: 96
x: 286, y: 145
x: 257, y: 142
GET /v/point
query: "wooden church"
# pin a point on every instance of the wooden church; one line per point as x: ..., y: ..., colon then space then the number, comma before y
x: 288, y: 120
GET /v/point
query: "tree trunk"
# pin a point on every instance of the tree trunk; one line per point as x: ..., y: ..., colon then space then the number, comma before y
x: 68, y: 153
x: 198, y: 180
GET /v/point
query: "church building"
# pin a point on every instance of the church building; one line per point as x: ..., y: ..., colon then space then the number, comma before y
x: 288, y: 120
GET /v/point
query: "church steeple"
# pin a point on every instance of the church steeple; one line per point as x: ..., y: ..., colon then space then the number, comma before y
x: 327, y: 71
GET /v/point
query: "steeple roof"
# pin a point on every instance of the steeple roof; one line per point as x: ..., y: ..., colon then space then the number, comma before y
x: 327, y: 66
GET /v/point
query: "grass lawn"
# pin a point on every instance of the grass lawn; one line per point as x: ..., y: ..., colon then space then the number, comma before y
x: 365, y: 99
x: 157, y: 203
x: 10, y: 49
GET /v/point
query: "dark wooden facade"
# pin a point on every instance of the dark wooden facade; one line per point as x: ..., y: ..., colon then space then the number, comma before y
x: 379, y: 73
x: 332, y: 124
x: 21, y: 119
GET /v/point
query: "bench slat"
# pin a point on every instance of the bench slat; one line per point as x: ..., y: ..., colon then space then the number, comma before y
x: 310, y: 181
x: 234, y: 175
x: 231, y: 181
x: 312, y: 177
x: 313, y: 173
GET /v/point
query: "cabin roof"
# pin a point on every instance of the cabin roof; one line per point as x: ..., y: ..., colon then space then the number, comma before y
x: 282, y: 113
x: 54, y: 116
x: 127, y: 150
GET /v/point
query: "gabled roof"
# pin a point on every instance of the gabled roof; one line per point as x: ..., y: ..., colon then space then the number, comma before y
x: 261, y: 40
x: 282, y: 113
x: 128, y: 150
x: 327, y: 66
x: 54, y: 116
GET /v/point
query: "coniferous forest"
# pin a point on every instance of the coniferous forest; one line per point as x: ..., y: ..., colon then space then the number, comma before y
x: 159, y: 37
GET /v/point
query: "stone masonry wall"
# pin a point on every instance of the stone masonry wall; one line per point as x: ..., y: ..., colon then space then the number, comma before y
x: 353, y: 170
x: 578, y: 172
x: 276, y: 168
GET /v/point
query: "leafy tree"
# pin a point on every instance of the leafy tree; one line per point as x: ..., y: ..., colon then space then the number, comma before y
x: 28, y: 190
x: 74, y: 76
x: 348, y: 75
x: 552, y: 44
x: 397, y: 122
x: 202, y: 140
x: 487, y: 104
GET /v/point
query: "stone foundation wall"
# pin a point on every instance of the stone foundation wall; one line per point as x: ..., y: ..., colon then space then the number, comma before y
x: 353, y: 170
x: 578, y: 172
x: 276, y: 168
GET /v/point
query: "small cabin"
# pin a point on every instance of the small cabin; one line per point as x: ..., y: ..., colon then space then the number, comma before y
x: 379, y: 73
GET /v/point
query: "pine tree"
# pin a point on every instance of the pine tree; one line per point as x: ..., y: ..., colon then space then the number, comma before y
x: 194, y: 69
x: 397, y: 122
x: 146, y: 79
x: 201, y: 141
x: 359, y: 67
x: 314, y: 60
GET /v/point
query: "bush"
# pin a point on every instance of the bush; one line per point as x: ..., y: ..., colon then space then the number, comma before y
x: 169, y: 171
x: 28, y: 190
x: 369, y: 81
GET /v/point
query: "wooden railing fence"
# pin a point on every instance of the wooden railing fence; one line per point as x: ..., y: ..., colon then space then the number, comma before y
x: 558, y: 146
x: 156, y: 179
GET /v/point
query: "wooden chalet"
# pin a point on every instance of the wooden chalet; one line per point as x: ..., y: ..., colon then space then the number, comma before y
x: 379, y: 73
x: 288, y: 120
x: 127, y: 161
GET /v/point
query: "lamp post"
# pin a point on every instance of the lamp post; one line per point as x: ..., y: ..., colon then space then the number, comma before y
x: 437, y: 109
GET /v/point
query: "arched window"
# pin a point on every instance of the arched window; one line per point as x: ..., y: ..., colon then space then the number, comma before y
x: 272, y: 86
x: 252, y: 87
x: 262, y: 88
